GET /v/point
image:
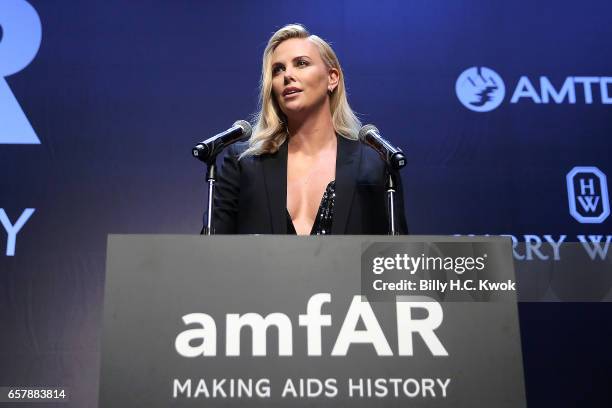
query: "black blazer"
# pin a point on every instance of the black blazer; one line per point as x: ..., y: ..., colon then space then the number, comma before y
x: 251, y: 194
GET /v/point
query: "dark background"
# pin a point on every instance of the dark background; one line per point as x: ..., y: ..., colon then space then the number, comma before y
x: 120, y: 91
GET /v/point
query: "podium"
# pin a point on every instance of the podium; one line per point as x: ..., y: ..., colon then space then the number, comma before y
x: 286, y: 321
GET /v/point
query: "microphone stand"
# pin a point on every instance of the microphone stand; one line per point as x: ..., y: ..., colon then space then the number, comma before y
x: 391, y: 189
x: 207, y: 152
x: 394, y: 159
x: 211, y: 178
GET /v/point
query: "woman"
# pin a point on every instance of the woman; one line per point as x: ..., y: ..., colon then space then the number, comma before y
x: 303, y: 170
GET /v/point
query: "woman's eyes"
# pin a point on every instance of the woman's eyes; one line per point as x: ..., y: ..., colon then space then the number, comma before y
x: 299, y: 63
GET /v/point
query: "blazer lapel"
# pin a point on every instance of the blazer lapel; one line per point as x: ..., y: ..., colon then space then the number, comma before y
x: 275, y: 179
x: 347, y: 169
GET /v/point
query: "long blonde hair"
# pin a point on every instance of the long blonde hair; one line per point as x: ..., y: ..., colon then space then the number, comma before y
x: 270, y: 130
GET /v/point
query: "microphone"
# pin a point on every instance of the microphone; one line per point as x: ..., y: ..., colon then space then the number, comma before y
x: 208, y: 149
x: 393, y: 156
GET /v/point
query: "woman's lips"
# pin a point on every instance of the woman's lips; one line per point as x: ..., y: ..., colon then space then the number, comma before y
x: 290, y: 90
x: 289, y: 95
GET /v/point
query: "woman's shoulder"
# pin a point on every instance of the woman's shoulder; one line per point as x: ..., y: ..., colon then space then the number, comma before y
x: 238, y: 148
x: 367, y: 154
x: 235, y: 153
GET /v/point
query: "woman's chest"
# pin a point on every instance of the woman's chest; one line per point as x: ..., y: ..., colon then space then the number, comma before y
x: 307, y: 180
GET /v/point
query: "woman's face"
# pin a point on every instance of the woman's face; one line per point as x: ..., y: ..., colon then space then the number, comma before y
x: 300, y: 78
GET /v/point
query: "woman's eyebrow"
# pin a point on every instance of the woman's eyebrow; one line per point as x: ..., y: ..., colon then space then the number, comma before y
x: 293, y: 59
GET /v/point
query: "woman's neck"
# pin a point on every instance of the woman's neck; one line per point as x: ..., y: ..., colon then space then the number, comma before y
x: 313, y: 134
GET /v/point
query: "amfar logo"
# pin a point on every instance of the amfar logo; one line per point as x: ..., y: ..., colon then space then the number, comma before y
x: 20, y: 36
x: 587, y: 192
x: 202, y: 340
x: 481, y: 89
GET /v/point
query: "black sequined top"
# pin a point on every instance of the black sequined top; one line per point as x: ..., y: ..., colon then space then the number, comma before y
x: 325, y: 215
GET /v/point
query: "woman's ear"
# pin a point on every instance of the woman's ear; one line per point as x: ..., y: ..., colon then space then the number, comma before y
x: 333, y: 78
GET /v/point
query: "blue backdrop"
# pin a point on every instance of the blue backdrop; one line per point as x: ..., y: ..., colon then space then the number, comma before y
x: 493, y: 104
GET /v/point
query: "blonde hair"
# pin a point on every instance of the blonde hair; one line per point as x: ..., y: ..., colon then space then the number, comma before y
x: 270, y: 130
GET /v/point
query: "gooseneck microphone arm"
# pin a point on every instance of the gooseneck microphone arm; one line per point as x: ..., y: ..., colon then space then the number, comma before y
x: 207, y: 151
x: 394, y: 159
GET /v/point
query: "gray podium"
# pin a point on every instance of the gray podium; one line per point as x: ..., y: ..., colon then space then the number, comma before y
x: 279, y: 321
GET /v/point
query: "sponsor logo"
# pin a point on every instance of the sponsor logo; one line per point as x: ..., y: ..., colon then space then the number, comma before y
x: 480, y: 89
x: 575, y: 89
x: 20, y: 36
x: 530, y: 247
x: 587, y: 193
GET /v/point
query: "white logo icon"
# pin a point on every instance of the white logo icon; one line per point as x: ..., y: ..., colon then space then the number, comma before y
x: 480, y: 89
x: 587, y: 192
x: 20, y: 36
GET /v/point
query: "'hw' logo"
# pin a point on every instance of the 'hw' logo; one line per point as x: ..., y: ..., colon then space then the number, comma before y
x: 20, y: 35
x: 480, y: 89
x: 587, y: 192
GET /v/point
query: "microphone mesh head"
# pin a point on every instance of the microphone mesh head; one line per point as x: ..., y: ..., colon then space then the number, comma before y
x: 364, y: 131
x: 246, y: 127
